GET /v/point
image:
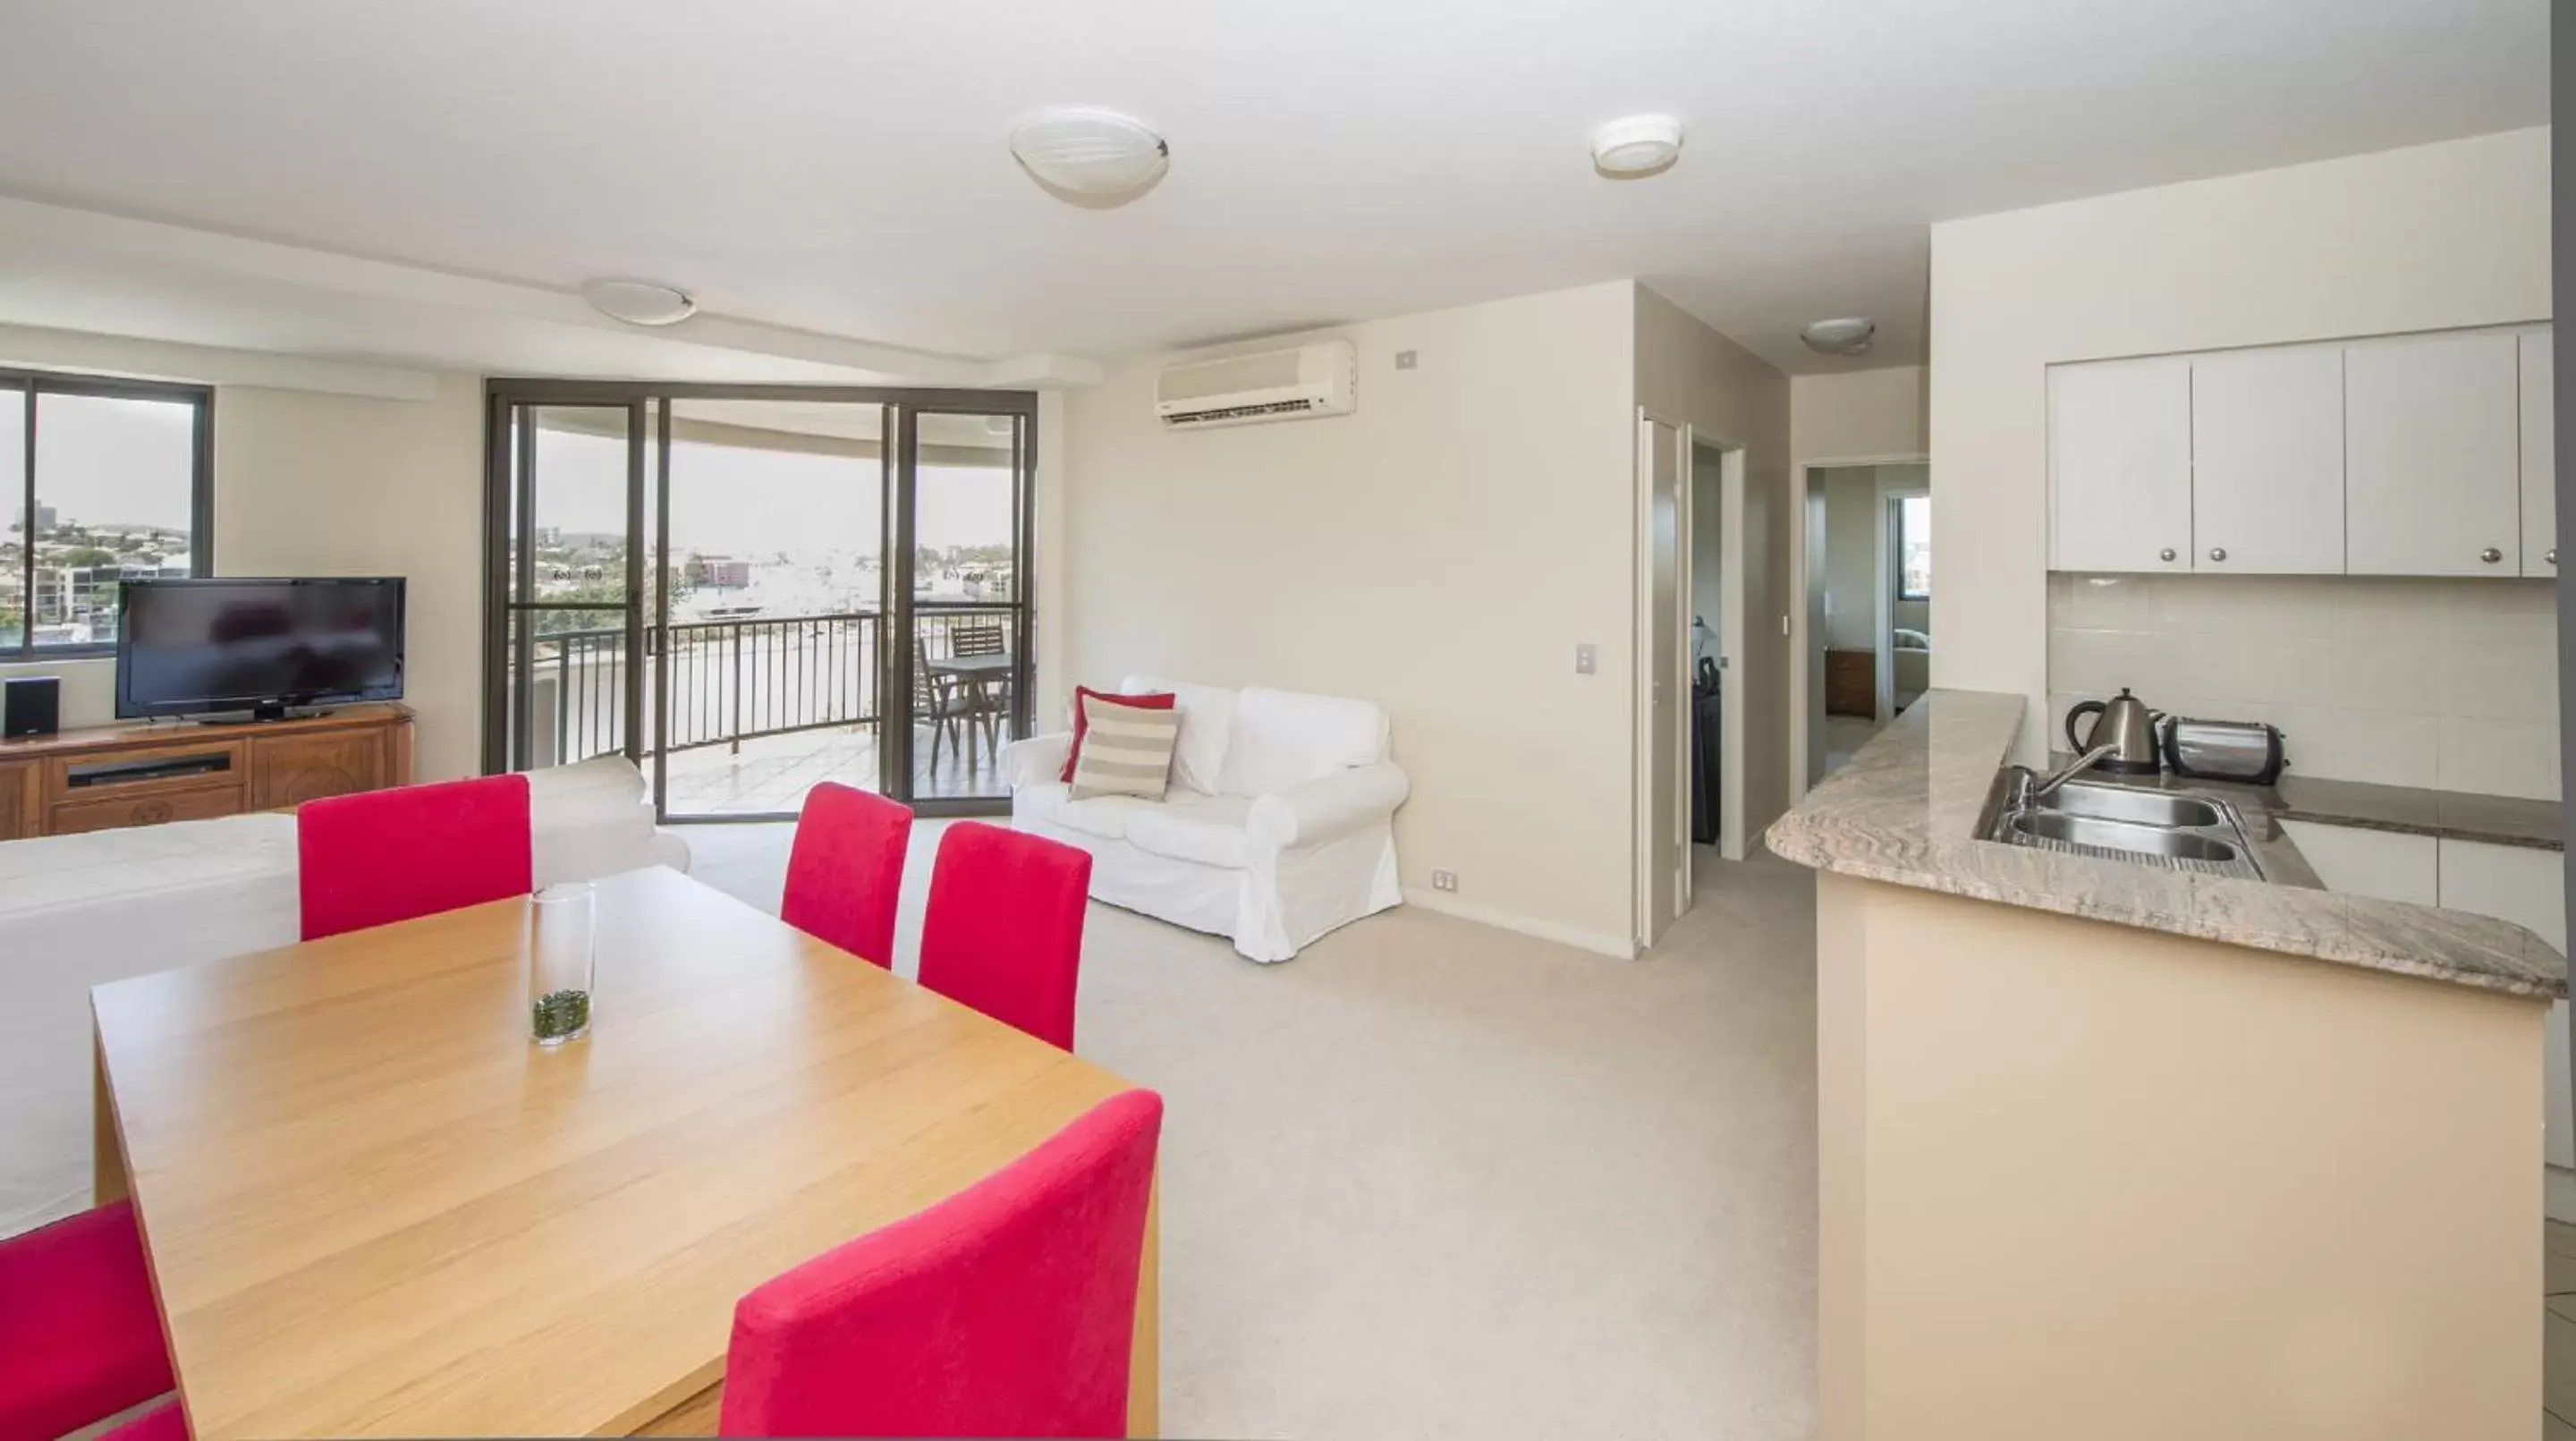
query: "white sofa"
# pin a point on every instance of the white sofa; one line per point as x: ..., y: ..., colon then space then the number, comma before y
x: 1279, y: 824
x: 80, y: 910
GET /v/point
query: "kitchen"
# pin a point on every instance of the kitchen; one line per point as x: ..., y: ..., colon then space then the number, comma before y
x: 2215, y: 1102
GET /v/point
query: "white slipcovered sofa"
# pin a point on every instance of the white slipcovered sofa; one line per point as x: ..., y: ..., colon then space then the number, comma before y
x: 77, y: 911
x: 1279, y: 824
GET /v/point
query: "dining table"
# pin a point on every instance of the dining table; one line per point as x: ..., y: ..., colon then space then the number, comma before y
x: 373, y: 1207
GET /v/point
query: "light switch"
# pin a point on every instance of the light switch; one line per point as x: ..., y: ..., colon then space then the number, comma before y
x: 1586, y: 660
x: 1405, y: 360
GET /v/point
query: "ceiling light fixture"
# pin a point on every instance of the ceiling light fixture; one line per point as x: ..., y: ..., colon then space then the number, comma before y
x: 1089, y: 152
x: 1849, y: 336
x: 1637, y: 146
x: 639, y: 302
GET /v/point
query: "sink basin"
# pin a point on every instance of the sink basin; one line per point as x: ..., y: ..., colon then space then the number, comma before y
x: 2118, y: 803
x: 2163, y: 842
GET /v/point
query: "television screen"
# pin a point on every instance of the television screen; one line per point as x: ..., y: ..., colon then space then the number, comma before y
x: 190, y: 646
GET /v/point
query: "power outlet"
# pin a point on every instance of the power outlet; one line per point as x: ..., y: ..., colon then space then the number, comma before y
x: 1444, y: 880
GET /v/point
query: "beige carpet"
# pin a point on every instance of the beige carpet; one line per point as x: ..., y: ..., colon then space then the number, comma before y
x: 1432, y: 1179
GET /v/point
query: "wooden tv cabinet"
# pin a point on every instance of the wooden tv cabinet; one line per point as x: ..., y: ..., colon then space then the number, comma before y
x: 139, y: 774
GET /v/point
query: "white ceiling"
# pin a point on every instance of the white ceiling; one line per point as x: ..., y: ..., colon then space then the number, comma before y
x: 839, y: 168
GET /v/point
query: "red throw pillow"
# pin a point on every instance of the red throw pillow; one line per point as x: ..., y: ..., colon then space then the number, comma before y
x: 1159, y: 700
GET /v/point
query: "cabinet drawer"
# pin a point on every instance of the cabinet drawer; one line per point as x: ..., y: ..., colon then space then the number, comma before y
x: 114, y: 810
x: 290, y: 770
x: 119, y: 774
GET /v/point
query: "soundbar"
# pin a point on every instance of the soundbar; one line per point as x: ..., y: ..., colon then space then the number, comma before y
x: 116, y: 773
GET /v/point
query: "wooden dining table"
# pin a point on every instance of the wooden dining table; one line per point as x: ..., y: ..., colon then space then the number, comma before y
x: 374, y: 1208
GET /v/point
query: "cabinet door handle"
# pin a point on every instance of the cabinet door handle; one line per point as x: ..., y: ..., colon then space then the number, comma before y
x: 2490, y: 555
x: 2218, y: 552
x: 2552, y: 557
x: 2168, y: 553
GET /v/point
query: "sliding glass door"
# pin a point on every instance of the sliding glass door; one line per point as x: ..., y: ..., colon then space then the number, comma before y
x: 750, y: 590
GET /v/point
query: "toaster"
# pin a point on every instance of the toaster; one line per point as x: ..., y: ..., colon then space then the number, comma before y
x: 2218, y: 750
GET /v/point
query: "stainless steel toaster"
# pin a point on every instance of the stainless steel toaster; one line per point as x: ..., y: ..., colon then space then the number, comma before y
x: 2220, y: 750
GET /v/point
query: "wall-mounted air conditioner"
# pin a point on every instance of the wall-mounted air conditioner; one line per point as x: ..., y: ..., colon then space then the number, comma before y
x: 1243, y: 389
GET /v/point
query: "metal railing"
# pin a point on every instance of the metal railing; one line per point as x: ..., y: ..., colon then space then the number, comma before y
x: 731, y: 680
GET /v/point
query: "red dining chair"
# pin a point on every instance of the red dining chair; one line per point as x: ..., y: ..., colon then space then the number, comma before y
x: 383, y: 856
x: 845, y: 873
x: 1003, y: 932
x: 80, y: 1335
x: 165, y: 1422
x: 1008, y: 1309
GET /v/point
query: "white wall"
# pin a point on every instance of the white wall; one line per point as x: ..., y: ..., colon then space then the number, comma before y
x: 1708, y: 545
x: 1442, y: 552
x: 312, y: 483
x: 1689, y: 374
x: 1851, y: 557
x: 2445, y: 235
x: 1858, y: 414
x: 2449, y: 684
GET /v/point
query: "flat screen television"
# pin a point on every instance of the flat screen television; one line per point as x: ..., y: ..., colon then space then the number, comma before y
x: 265, y: 647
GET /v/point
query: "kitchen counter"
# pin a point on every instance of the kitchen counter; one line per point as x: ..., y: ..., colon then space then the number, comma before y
x: 1905, y: 811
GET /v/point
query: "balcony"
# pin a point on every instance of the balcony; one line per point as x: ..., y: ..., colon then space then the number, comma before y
x: 765, y: 707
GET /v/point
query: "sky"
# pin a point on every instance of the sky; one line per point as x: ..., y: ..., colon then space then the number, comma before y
x: 733, y: 501
x: 99, y: 460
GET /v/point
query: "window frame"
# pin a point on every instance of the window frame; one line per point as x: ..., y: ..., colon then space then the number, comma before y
x: 1902, y: 532
x: 24, y: 387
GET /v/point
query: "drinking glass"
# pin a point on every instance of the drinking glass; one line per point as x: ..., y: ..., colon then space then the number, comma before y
x: 559, y: 962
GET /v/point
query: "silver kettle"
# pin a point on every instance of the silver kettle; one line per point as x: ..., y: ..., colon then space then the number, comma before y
x: 2125, y: 725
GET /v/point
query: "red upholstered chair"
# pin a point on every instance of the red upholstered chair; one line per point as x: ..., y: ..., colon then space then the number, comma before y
x: 1004, y: 929
x: 164, y: 1422
x: 846, y: 871
x: 1008, y: 1309
x: 80, y: 1336
x: 384, y: 856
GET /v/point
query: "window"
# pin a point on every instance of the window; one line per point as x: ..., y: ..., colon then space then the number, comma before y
x: 101, y: 481
x: 1914, y: 548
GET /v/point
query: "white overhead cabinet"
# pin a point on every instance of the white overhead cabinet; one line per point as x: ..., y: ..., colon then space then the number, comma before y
x: 2413, y: 455
x: 2433, y: 456
x: 2119, y: 465
x: 2539, y: 456
x: 2267, y: 462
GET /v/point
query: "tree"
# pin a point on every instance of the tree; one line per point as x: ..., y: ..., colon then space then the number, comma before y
x: 81, y: 555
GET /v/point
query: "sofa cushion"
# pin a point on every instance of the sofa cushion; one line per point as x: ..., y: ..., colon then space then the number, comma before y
x: 1282, y: 737
x: 1148, y: 700
x: 1052, y: 802
x: 1207, y: 725
x: 1126, y: 750
x: 1205, y: 829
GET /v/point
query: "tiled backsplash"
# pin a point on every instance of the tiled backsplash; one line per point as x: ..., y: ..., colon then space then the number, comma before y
x: 2444, y: 683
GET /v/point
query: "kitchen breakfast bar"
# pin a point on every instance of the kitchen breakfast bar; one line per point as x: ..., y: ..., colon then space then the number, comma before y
x: 2113, y: 1149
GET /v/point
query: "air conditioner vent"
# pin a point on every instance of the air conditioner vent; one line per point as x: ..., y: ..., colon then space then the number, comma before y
x: 1311, y: 380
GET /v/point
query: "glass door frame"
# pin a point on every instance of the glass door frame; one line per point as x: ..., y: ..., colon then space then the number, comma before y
x: 903, y: 611
x: 508, y: 487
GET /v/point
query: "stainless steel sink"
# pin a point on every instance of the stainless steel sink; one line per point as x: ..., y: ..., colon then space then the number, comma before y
x: 2118, y: 803
x: 2126, y: 823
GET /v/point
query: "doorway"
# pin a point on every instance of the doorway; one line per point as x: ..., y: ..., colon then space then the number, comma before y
x: 1690, y: 507
x: 751, y: 589
x: 1866, y: 638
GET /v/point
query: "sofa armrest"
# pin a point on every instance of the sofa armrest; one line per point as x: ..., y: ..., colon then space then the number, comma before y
x: 1327, y: 806
x: 1037, y: 760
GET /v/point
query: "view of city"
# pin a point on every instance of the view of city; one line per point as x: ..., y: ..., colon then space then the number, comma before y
x: 113, y: 487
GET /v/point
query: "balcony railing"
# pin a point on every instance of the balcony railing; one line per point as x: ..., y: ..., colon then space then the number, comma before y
x: 731, y: 680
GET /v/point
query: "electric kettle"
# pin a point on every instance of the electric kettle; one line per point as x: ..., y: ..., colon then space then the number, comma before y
x: 2125, y: 725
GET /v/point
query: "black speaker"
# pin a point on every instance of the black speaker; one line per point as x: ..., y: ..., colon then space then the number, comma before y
x: 30, y: 706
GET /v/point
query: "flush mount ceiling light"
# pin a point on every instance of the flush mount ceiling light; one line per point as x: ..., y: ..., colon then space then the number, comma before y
x: 1088, y: 152
x: 1849, y: 336
x: 1638, y: 146
x: 639, y: 302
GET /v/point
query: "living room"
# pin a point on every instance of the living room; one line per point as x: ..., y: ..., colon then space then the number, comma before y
x: 759, y: 455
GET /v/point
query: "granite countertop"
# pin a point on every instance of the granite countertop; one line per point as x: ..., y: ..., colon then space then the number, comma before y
x: 1905, y: 809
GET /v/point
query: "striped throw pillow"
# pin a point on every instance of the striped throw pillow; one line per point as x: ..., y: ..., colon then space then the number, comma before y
x: 1126, y: 749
